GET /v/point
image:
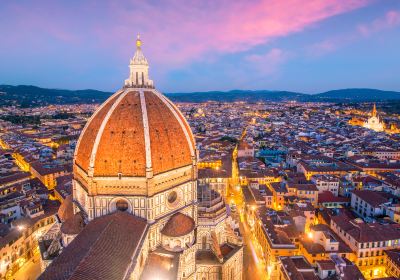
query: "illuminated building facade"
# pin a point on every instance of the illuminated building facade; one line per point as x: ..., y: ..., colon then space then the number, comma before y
x: 304, y: 191
x: 20, y: 242
x: 374, y: 122
x: 274, y: 240
x: 368, y: 243
x: 278, y: 190
x: 393, y: 263
x: 321, y: 243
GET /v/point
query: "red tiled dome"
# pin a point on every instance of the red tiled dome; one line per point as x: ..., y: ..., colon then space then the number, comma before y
x: 133, y: 130
x: 178, y: 225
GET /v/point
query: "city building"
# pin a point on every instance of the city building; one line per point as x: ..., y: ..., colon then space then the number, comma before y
x: 279, y: 191
x: 316, y: 165
x: 296, y: 267
x: 328, y: 200
x: 368, y: 242
x: 277, y: 238
x: 245, y: 149
x: 320, y: 243
x: 393, y: 263
x: 19, y: 243
x: 308, y: 192
x: 368, y: 203
x: 326, y: 183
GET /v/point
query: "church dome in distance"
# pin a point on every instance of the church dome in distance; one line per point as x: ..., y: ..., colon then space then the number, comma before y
x: 136, y: 132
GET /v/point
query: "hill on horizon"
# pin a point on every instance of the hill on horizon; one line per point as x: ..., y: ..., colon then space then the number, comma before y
x: 32, y: 96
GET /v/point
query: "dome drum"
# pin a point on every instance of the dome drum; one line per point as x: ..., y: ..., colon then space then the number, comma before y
x: 134, y: 185
x: 178, y: 244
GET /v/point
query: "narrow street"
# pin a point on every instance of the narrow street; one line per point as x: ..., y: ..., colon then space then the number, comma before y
x: 252, y: 267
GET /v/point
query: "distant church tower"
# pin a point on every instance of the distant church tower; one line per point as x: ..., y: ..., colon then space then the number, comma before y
x: 374, y: 113
x: 374, y: 122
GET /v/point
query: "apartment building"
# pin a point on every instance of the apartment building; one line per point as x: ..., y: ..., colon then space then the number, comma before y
x: 326, y: 183
x: 368, y: 242
x: 368, y: 203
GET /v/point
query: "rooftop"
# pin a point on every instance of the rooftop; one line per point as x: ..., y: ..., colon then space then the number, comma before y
x: 103, y: 250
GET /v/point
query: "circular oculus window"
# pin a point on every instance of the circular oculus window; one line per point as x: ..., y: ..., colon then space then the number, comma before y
x: 172, y: 197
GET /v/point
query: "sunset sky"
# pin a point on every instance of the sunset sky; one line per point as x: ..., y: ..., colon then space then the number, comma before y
x: 299, y: 45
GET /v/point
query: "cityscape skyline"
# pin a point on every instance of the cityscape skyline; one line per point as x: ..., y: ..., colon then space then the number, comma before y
x: 131, y: 183
x: 272, y: 45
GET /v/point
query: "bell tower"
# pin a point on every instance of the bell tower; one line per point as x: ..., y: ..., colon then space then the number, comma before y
x: 374, y: 112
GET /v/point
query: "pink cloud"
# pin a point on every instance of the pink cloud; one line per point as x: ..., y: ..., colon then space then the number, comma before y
x: 390, y: 20
x: 183, y: 31
x: 270, y: 62
x: 174, y: 32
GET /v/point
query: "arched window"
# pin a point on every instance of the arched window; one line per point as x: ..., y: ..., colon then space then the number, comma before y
x: 122, y: 205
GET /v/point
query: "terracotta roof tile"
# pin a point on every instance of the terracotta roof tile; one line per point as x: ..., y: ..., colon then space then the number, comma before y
x: 121, y: 148
x: 104, y: 249
x: 87, y: 139
x: 169, y: 147
x: 73, y: 225
x: 178, y: 225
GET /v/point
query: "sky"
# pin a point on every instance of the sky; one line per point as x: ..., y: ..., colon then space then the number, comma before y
x: 305, y: 46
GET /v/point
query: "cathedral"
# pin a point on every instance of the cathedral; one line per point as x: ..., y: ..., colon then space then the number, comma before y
x: 374, y: 122
x: 136, y: 211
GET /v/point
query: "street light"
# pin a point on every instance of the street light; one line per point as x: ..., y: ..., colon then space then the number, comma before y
x: 21, y: 227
